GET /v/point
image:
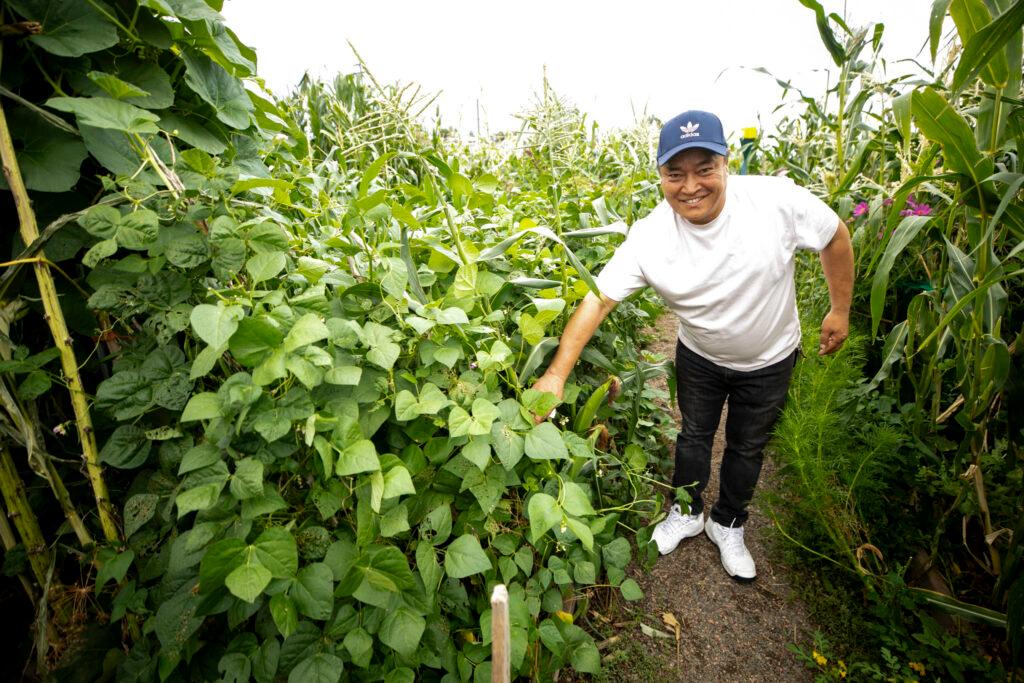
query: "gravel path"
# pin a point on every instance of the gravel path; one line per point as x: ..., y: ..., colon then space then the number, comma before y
x: 730, y: 631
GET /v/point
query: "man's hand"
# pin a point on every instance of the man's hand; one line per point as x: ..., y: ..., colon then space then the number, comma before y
x: 551, y: 383
x: 835, y: 328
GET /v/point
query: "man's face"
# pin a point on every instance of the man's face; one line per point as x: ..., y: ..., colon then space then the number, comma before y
x: 693, y: 182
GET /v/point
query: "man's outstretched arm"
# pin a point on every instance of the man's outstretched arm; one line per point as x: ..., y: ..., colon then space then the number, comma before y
x: 837, y: 263
x: 582, y: 325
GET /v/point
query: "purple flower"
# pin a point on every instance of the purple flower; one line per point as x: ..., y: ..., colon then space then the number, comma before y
x: 922, y: 210
x: 887, y: 201
x: 860, y: 209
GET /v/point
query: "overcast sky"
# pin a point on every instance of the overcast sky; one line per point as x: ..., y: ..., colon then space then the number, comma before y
x: 610, y: 59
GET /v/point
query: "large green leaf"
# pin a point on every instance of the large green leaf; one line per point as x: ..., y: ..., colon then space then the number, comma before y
x: 247, y: 581
x: 972, y: 18
x: 983, y: 50
x: 322, y: 667
x: 71, y: 28
x: 905, y: 233
x: 126, y: 449
x: 313, y: 591
x: 544, y: 513
x: 402, y: 630
x: 942, y: 124
x: 464, y: 557
x: 49, y: 158
x: 277, y: 551
x: 103, y: 112
x: 191, y: 132
x: 217, y: 87
x: 835, y: 49
x: 544, y: 442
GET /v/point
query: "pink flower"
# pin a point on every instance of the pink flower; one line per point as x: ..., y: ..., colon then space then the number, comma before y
x: 922, y: 210
x: 860, y: 209
x: 887, y: 201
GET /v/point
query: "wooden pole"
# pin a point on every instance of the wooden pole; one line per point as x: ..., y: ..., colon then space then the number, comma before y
x: 501, y: 662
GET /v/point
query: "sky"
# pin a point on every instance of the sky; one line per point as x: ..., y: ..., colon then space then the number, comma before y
x: 613, y: 60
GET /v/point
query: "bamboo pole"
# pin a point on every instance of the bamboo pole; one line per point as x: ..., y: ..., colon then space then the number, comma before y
x: 20, y: 512
x: 501, y: 663
x: 58, y: 329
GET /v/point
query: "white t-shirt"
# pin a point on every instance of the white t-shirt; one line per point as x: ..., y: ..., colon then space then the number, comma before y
x: 729, y: 281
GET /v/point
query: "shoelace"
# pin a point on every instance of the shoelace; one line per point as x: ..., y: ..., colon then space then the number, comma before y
x: 732, y: 538
x: 675, y: 519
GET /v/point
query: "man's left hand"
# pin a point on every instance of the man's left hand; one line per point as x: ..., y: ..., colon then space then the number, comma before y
x: 835, y: 328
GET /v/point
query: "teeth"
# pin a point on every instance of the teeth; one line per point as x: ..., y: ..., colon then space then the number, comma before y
x: 692, y: 201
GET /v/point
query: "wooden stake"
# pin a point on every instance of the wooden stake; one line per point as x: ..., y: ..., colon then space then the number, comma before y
x: 501, y: 662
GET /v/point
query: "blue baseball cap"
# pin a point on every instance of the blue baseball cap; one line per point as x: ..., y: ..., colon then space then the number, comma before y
x: 692, y: 128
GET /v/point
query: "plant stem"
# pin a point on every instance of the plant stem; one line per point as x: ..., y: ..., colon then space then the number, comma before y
x: 9, y: 541
x: 58, y: 329
x: 21, y: 514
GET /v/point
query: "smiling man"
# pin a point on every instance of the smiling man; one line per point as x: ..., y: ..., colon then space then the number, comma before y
x: 721, y: 252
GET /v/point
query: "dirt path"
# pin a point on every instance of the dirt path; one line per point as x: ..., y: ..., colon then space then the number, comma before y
x: 730, y: 631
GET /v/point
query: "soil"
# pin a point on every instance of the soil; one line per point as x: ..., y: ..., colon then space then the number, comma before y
x: 729, y: 631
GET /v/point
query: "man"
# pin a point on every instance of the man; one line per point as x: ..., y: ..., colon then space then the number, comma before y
x: 720, y: 252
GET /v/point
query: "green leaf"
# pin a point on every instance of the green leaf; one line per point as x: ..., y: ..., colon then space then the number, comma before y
x: 277, y: 551
x: 544, y: 442
x: 306, y: 330
x: 248, y: 581
x: 402, y: 630
x: 478, y: 452
x: 284, y: 613
x: 254, y: 340
x: 191, y: 132
x: 262, y: 267
x: 138, y: 510
x: 103, y: 112
x: 406, y: 406
x: 222, y: 558
x: 575, y: 500
x: 508, y: 444
x: 982, y: 48
x: 70, y: 28
x: 126, y: 449
x: 204, y: 406
x: 942, y: 124
x: 582, y: 532
x: 904, y: 234
x: 215, y: 324
x: 834, y: 47
x: 126, y: 395
x: 320, y: 668
x: 49, y: 159
x: 199, y: 498
x: 247, y: 481
x: 218, y: 88
x: 114, y: 86
x: 313, y: 591
x: 631, y: 590
x: 397, y: 482
x: 114, y: 567
x: 359, y: 644
x: 386, y: 568
x: 464, y: 557
x: 544, y: 513
x: 357, y: 457
x: 616, y: 553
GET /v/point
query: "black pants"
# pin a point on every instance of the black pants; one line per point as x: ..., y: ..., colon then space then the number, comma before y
x: 755, y: 401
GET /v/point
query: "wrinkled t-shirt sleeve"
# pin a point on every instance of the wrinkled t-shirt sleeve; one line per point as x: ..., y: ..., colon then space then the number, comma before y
x: 622, y: 275
x: 813, y: 222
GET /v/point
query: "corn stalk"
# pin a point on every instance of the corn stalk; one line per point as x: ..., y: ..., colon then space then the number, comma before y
x: 59, y: 331
x: 18, y: 509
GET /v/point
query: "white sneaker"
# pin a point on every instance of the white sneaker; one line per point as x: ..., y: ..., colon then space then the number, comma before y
x: 675, y: 528
x: 735, y: 557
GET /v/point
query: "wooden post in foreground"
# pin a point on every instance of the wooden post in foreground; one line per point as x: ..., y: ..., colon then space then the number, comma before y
x: 501, y: 662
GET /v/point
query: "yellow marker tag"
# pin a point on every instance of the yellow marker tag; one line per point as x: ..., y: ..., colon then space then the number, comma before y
x: 750, y: 133
x: 564, y: 616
